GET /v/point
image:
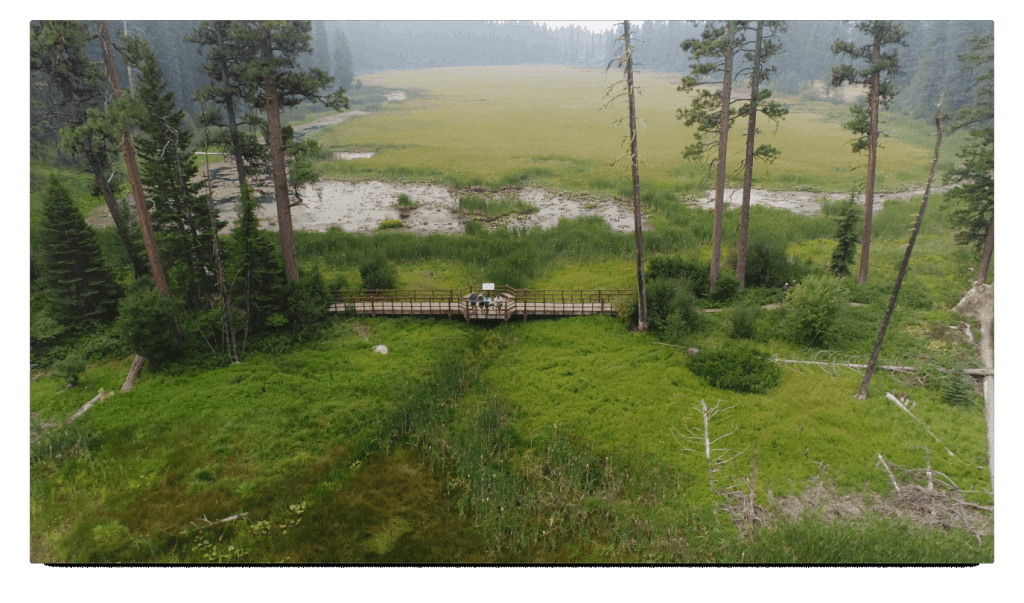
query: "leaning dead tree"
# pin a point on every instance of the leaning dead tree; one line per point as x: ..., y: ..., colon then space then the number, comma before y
x: 863, y: 393
x: 716, y: 457
x: 979, y: 303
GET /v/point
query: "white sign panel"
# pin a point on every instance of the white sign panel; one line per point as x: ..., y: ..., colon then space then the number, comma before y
x: 488, y: 287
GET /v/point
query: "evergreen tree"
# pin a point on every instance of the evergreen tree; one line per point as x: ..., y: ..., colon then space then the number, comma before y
x: 257, y: 274
x: 764, y: 49
x: 226, y: 90
x: 75, y: 95
x: 880, y: 93
x: 711, y: 113
x: 973, y: 199
x: 273, y: 81
x: 846, y: 238
x: 80, y: 287
x: 180, y: 215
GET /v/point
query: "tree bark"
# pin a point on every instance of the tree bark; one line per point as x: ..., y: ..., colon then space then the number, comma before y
x: 863, y: 393
x: 723, y: 140
x: 277, y: 161
x: 986, y: 252
x: 133, y: 373
x: 748, y: 167
x: 869, y: 187
x: 138, y: 194
x: 979, y: 302
x: 232, y: 122
x: 637, y: 216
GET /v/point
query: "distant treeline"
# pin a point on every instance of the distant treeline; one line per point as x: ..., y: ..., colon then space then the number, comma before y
x: 344, y: 48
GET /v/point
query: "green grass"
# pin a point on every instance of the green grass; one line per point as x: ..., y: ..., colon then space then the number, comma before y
x: 545, y: 441
x: 497, y: 208
x: 480, y: 127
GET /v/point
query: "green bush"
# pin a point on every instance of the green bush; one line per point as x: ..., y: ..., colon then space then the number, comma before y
x: 671, y: 307
x: 768, y: 265
x: 309, y: 300
x: 813, y: 306
x: 744, y: 320
x: 405, y: 202
x: 386, y: 224
x: 736, y: 367
x: 70, y: 368
x: 726, y: 287
x: 147, y: 324
x: 675, y: 267
x: 378, y: 273
x: 473, y: 227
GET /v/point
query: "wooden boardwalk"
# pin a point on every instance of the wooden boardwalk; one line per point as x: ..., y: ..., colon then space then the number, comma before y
x: 506, y: 304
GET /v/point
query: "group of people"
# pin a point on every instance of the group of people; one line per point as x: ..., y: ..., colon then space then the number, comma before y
x: 483, y: 299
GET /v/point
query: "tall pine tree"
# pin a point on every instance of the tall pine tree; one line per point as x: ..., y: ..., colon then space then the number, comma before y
x: 881, y: 91
x: 273, y: 81
x: 80, y: 287
x: 973, y: 199
x: 181, y: 216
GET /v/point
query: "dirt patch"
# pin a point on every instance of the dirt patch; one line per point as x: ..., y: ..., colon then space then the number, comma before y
x: 350, y: 156
x: 332, y: 119
x: 806, y: 203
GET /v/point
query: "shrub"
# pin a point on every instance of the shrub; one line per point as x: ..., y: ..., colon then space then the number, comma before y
x: 744, y: 320
x: 378, y: 273
x: 813, y: 306
x: 473, y: 227
x: 725, y: 288
x: 736, y: 367
x: 405, y: 201
x: 70, y: 368
x: 671, y: 307
x: 768, y: 265
x: 309, y: 300
x: 147, y: 325
x: 675, y: 267
x: 846, y: 237
x: 386, y: 224
x: 955, y: 388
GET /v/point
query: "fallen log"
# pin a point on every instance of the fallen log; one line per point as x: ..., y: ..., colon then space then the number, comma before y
x: 133, y: 373
x: 100, y: 396
x: 896, y: 369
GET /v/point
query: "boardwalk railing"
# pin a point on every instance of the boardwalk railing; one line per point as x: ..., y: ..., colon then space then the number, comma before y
x: 504, y: 304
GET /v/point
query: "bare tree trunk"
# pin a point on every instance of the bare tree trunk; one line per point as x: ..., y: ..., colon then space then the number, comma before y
x: 863, y: 393
x: 986, y: 252
x: 139, y: 195
x: 979, y: 302
x: 280, y: 172
x: 138, y: 267
x: 869, y: 188
x: 133, y: 373
x: 748, y: 167
x: 637, y: 217
x: 232, y: 122
x: 723, y: 141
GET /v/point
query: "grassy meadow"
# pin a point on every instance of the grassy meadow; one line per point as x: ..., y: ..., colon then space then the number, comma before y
x: 549, y: 440
x: 493, y: 125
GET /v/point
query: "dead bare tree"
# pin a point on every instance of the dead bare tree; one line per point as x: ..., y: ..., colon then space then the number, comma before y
x: 979, y: 302
x: 716, y: 457
x: 863, y: 393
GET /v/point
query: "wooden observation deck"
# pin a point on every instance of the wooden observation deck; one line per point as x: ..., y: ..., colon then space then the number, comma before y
x: 505, y: 304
